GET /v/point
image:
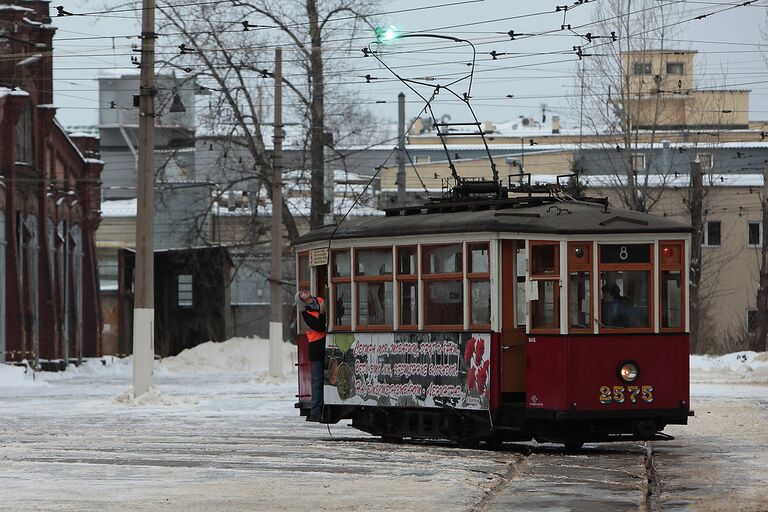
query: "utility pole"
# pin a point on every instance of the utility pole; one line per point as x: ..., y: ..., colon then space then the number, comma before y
x: 144, y: 298
x: 276, y: 233
x: 697, y: 238
x: 329, y: 180
x: 401, y: 150
x: 761, y: 317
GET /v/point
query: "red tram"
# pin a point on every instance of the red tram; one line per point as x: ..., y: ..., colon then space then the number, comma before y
x: 502, y: 320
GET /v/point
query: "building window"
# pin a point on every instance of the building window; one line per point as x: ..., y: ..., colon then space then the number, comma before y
x: 707, y: 162
x: 545, y: 285
x: 751, y: 321
x: 755, y: 233
x: 443, y: 275
x: 341, y: 289
x: 641, y: 68
x: 625, y: 286
x: 421, y: 159
x: 638, y: 161
x: 373, y: 278
x: 675, y: 68
x: 408, y: 290
x: 24, y: 137
x: 579, y: 286
x: 185, y: 297
x: 712, y: 233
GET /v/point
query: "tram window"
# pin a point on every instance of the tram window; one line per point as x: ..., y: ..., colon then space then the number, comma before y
x: 579, y: 300
x: 406, y: 260
x: 545, y: 310
x: 479, y: 260
x: 671, y: 299
x: 626, y: 298
x: 303, y: 269
x: 481, y: 302
x: 341, y: 263
x: 444, y: 302
x: 579, y: 286
x: 409, y: 304
x: 373, y: 262
x: 374, y: 303
x: 544, y: 259
x: 442, y: 259
x: 342, y: 304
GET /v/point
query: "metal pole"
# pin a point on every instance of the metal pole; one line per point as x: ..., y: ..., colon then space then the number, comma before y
x: 276, y: 233
x: 401, y: 150
x: 144, y: 305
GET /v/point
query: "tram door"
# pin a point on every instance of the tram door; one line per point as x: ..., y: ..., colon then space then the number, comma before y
x: 513, y: 338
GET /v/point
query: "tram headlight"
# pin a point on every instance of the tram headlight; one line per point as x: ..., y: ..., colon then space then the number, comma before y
x: 628, y: 371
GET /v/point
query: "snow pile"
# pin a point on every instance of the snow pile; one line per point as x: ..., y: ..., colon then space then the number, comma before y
x: 152, y: 397
x: 745, y: 367
x: 14, y: 376
x: 236, y: 355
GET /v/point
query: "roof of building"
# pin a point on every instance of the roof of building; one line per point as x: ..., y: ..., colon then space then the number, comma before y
x: 557, y: 218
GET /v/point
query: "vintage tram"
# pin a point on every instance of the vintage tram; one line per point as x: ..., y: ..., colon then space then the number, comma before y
x: 502, y: 319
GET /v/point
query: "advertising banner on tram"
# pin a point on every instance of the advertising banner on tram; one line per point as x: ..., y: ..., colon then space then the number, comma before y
x: 409, y: 370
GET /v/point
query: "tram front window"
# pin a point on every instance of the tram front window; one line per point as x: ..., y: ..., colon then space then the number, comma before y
x: 625, y: 298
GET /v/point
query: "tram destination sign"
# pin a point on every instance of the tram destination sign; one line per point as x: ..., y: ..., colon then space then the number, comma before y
x: 318, y: 257
x: 409, y: 370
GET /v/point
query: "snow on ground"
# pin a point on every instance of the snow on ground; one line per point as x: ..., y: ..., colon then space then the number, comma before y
x: 216, y: 434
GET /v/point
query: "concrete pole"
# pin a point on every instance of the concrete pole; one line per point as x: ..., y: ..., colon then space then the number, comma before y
x: 329, y: 181
x: 144, y: 298
x: 276, y: 233
x: 401, y: 197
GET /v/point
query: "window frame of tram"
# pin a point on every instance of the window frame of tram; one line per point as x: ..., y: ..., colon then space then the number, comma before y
x: 671, y: 271
x: 479, y: 278
x: 580, y: 287
x: 341, y: 280
x: 435, y: 284
x: 407, y: 277
x: 374, y: 289
x: 546, y: 278
x: 304, y: 281
x: 623, y: 263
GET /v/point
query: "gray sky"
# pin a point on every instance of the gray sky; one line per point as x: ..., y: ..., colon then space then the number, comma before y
x: 728, y: 44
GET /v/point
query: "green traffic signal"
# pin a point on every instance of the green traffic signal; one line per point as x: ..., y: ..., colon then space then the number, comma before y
x: 386, y: 34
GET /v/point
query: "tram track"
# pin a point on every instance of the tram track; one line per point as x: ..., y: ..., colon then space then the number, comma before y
x: 653, y: 487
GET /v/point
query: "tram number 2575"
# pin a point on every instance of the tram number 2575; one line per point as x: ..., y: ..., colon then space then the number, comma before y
x: 620, y: 394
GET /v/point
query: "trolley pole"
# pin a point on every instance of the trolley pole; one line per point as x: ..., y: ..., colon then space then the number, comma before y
x: 401, y: 150
x: 276, y: 233
x: 144, y: 299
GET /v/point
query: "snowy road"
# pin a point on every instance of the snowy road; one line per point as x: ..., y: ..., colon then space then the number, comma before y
x: 224, y: 441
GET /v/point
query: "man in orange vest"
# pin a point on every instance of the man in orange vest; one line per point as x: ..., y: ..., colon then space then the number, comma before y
x: 313, y: 312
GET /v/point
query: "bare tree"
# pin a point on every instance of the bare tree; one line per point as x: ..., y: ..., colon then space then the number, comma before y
x: 622, y: 93
x: 234, y: 60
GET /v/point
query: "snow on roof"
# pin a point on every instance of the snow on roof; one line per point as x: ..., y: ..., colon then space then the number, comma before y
x: 117, y: 73
x: 16, y: 8
x: 83, y: 135
x: 679, y: 180
x: 119, y: 208
x: 5, y: 91
x: 30, y: 60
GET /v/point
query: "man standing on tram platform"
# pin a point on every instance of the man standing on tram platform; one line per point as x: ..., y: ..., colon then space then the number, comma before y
x: 314, y: 315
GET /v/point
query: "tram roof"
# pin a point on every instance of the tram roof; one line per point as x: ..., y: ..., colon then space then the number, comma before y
x: 558, y: 218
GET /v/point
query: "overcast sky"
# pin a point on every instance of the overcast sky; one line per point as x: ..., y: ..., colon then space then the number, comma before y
x: 728, y: 45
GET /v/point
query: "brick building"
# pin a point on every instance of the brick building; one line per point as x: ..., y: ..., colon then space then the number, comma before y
x: 49, y: 204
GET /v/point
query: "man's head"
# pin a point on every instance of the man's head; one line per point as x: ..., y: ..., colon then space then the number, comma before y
x: 303, y: 298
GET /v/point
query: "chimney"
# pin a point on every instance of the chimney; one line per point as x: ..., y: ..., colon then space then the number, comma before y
x: 555, y: 124
x: 488, y: 127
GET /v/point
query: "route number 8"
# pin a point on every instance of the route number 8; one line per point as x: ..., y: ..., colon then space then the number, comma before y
x: 623, y: 254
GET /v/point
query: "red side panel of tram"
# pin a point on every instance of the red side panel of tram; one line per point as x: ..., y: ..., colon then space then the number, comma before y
x: 581, y: 373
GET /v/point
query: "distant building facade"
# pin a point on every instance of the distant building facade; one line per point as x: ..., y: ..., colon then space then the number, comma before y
x: 49, y: 205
